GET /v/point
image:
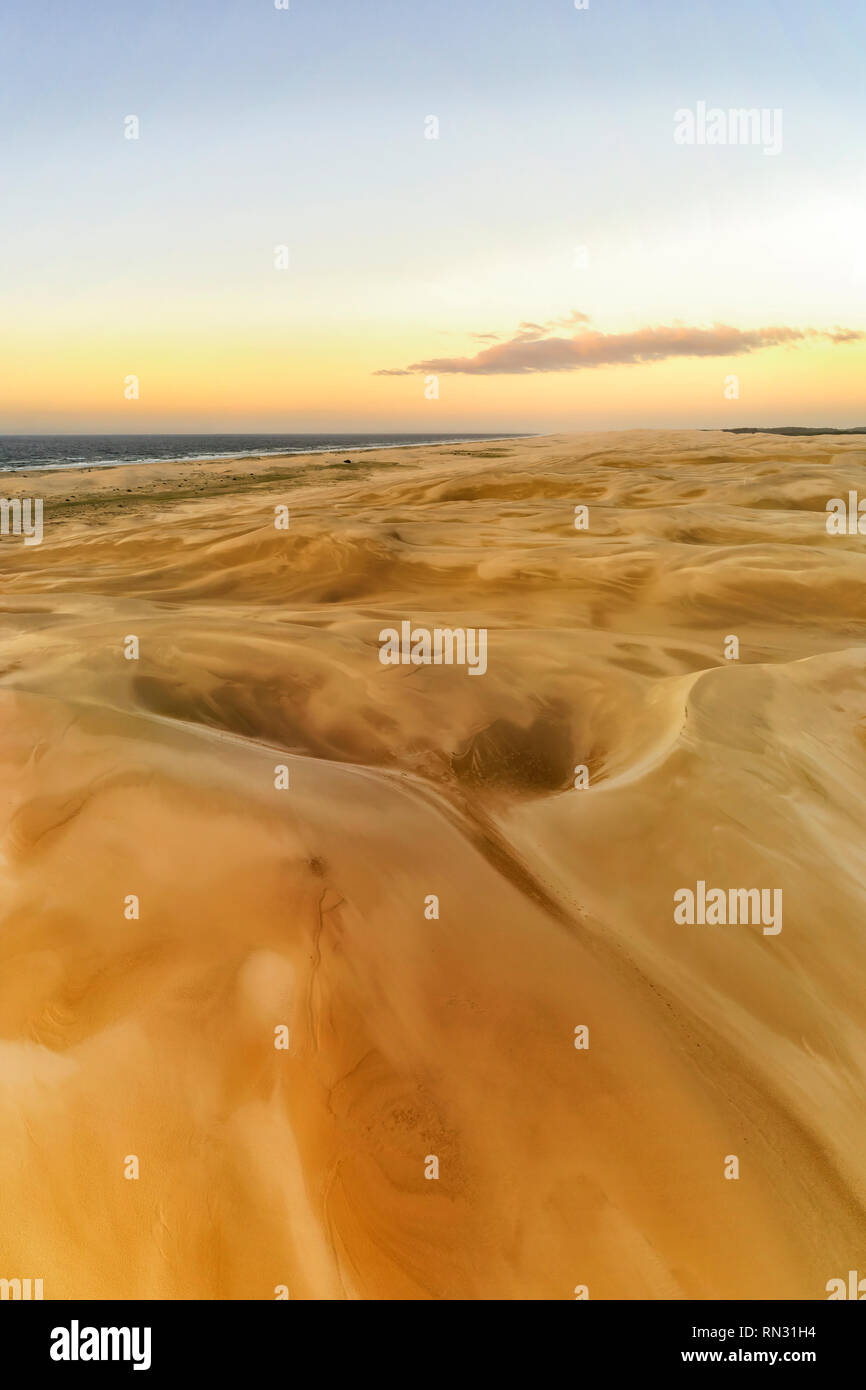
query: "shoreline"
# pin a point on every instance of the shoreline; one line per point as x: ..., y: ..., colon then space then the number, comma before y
x: 193, y: 460
x: 188, y: 459
x: 96, y: 490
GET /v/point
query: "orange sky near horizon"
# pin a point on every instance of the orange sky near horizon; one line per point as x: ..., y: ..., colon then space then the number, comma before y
x: 260, y: 384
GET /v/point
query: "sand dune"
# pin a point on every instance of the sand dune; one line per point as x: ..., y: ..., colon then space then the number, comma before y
x: 305, y: 907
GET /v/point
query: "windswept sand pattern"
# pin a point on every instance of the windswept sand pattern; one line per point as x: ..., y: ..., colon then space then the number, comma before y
x: 453, y: 1037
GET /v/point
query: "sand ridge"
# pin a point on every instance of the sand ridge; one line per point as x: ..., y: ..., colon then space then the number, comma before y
x: 451, y: 1037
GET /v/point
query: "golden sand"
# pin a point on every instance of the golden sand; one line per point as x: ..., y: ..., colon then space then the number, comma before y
x: 410, y: 1037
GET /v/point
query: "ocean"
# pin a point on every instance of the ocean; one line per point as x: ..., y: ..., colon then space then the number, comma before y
x: 93, y: 450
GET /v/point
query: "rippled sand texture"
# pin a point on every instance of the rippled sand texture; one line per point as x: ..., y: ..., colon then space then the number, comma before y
x: 412, y: 1037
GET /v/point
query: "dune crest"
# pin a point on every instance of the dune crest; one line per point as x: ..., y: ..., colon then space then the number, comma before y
x: 413, y: 1035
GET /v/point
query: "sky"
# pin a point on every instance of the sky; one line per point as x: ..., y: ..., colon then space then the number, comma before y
x: 555, y: 260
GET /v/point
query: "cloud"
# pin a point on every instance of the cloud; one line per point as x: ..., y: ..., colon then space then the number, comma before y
x: 529, y: 332
x: 534, y: 349
x: 571, y: 320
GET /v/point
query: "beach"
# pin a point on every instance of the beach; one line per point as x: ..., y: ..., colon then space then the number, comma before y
x: 284, y: 924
